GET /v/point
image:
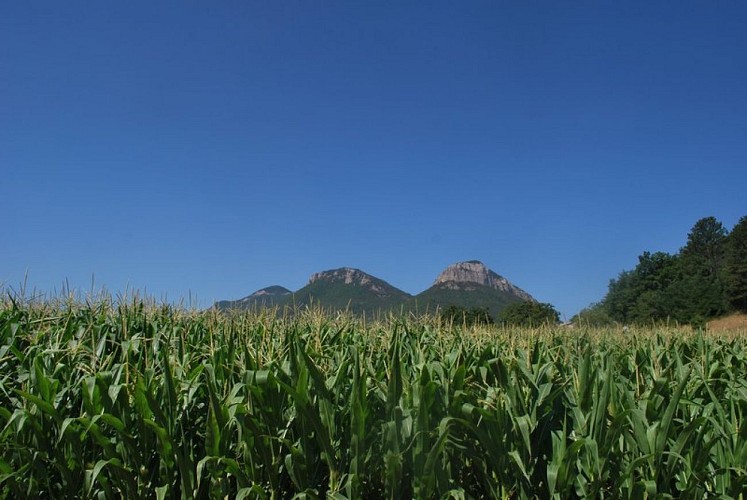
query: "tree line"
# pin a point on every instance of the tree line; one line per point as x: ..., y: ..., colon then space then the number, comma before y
x: 522, y: 313
x: 705, y: 279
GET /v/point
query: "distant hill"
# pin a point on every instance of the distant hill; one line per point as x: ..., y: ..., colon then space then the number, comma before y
x: 469, y: 284
x: 465, y: 284
x: 350, y: 289
x: 266, y: 297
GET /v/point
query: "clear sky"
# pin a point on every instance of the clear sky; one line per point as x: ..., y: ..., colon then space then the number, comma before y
x: 215, y: 148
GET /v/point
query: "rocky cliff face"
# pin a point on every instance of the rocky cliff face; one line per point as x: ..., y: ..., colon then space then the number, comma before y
x: 464, y: 275
x: 346, y: 275
x: 351, y: 276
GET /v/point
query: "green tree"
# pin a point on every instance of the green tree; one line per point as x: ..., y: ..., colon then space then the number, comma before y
x: 703, y: 259
x: 689, y: 287
x: 531, y: 314
x: 622, y: 294
x: 706, y: 246
x: 643, y: 294
x: 594, y: 315
x: 736, y: 266
x: 463, y: 316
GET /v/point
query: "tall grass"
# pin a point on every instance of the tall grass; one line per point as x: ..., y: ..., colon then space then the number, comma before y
x: 123, y: 398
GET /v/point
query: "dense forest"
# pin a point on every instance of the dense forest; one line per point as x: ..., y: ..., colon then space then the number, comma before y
x: 705, y: 279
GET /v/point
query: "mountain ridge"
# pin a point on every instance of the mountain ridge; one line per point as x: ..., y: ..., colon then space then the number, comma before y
x: 466, y: 284
x: 264, y: 297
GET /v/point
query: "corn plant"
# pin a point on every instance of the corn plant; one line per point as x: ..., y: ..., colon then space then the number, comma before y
x: 128, y: 398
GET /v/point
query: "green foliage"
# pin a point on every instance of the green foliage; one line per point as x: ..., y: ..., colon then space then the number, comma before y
x: 692, y: 286
x: 476, y: 297
x: 642, y: 295
x: 128, y: 400
x: 736, y: 266
x: 335, y: 296
x: 705, y: 246
x: 596, y: 315
x: 468, y: 317
x: 702, y: 261
x: 529, y: 314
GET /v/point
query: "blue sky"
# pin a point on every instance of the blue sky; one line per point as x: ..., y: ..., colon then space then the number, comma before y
x: 215, y: 148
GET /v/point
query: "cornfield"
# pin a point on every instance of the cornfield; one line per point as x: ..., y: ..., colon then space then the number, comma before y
x: 113, y: 399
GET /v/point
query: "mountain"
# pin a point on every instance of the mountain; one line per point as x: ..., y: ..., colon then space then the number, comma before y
x: 463, y: 275
x: 470, y: 284
x: 465, y: 284
x: 266, y: 297
x: 351, y: 289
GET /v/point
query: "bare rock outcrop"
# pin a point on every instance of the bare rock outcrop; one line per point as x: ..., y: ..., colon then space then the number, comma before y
x: 351, y: 276
x: 464, y: 275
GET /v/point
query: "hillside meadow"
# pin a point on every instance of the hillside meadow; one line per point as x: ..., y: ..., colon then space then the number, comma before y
x: 126, y: 398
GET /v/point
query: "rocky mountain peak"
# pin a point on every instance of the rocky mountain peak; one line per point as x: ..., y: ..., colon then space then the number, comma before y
x: 356, y: 277
x: 346, y: 275
x: 472, y: 271
x: 464, y: 275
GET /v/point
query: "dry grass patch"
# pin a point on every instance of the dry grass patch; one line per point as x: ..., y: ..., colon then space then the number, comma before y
x: 732, y: 323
